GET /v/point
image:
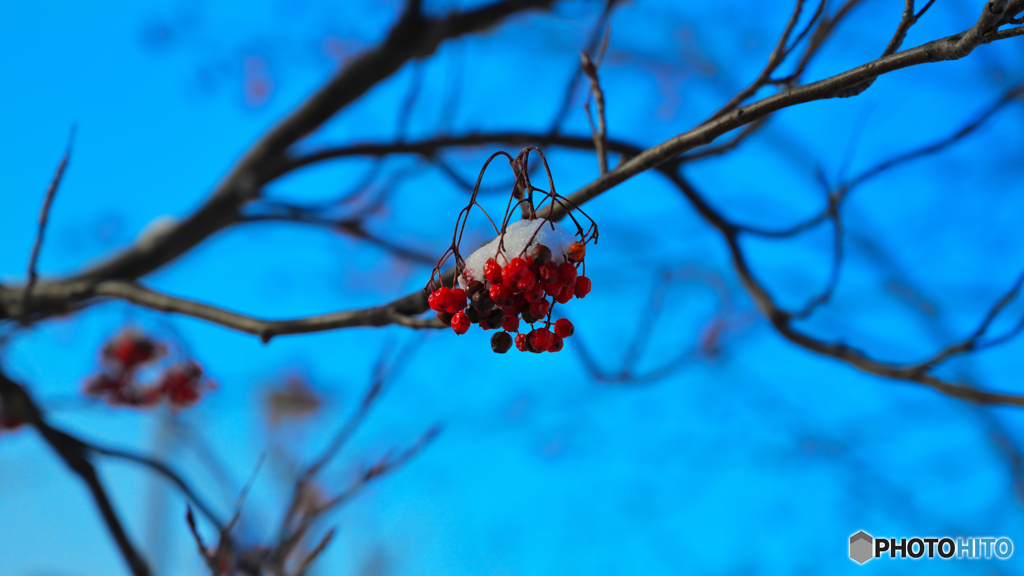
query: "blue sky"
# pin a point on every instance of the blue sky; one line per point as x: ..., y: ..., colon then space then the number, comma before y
x: 762, y: 459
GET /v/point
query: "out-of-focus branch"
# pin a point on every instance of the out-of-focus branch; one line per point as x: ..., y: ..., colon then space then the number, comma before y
x: 707, y: 345
x: 413, y: 36
x: 954, y: 47
x: 775, y: 58
x: 844, y: 190
x: 782, y: 320
x: 44, y: 217
x: 75, y: 454
x: 596, y: 34
x: 600, y: 132
x: 302, y: 513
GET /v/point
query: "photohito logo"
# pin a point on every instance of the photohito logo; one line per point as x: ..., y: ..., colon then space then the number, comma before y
x: 864, y: 547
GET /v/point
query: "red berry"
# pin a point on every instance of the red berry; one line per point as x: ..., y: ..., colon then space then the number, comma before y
x: 180, y: 384
x: 130, y: 349
x: 565, y: 295
x: 511, y: 323
x: 514, y: 271
x: 541, y: 339
x: 549, y: 273
x: 568, y: 273
x: 556, y: 344
x: 539, y: 309
x: 440, y: 299
x: 577, y: 251
x: 527, y: 282
x: 582, y: 287
x: 458, y: 300
x: 501, y: 342
x: 535, y: 295
x: 553, y: 289
x: 501, y: 295
x: 460, y: 323
x: 492, y: 271
x: 103, y: 383
x: 521, y: 342
x: 564, y: 328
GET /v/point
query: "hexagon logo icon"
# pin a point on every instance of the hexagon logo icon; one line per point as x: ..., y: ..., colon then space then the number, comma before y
x: 861, y: 545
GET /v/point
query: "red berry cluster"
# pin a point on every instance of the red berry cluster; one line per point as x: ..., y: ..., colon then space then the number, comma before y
x: 525, y: 288
x: 181, y: 384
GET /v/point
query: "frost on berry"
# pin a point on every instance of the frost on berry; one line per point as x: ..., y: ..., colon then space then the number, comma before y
x: 531, y: 265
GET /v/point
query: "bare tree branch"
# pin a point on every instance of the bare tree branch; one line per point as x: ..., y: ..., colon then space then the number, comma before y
x: 75, y: 455
x: 399, y: 312
x: 44, y: 216
x: 413, y: 36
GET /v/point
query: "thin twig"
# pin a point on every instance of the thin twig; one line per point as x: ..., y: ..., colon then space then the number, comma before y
x: 601, y: 132
x: 44, y: 217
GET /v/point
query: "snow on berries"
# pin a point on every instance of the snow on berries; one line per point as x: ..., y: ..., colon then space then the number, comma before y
x: 513, y: 283
x: 181, y: 384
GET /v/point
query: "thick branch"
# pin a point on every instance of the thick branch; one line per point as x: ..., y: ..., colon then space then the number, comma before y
x: 399, y: 312
x: 413, y: 36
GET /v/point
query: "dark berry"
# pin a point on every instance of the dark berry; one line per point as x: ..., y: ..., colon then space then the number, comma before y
x: 528, y: 316
x: 473, y: 315
x: 540, y: 255
x: 482, y: 302
x: 445, y: 317
x: 495, y: 320
x: 501, y: 342
x: 473, y: 288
